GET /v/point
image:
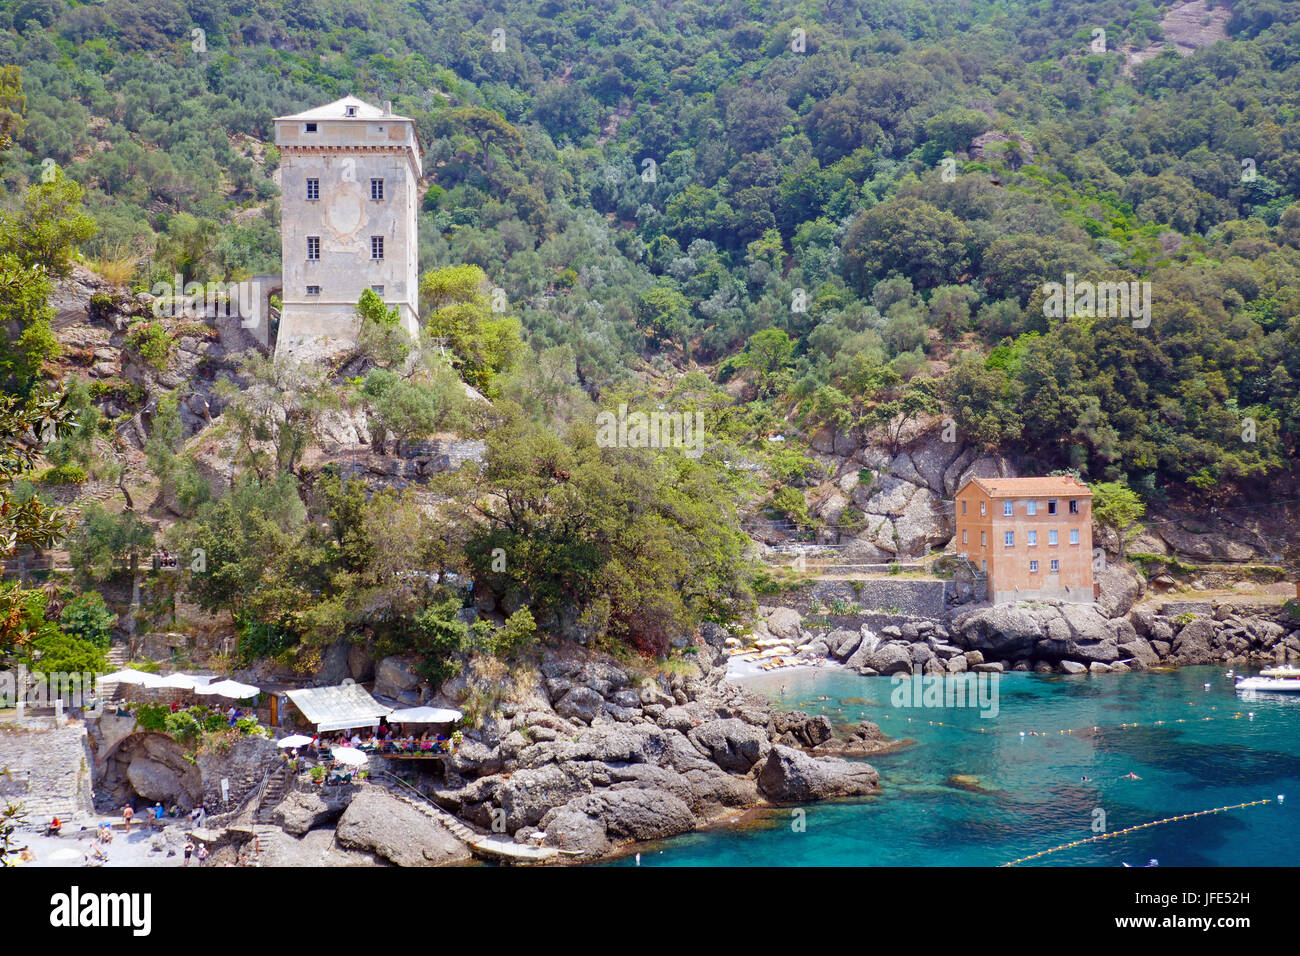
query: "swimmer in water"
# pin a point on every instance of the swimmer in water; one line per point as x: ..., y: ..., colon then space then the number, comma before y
x: 1085, y: 779
x: 1130, y: 776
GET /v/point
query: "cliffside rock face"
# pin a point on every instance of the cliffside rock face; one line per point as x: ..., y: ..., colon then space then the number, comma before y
x: 377, y: 822
x: 593, y: 758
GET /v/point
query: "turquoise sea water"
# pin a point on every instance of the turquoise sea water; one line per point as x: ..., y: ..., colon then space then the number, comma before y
x: 1029, y: 795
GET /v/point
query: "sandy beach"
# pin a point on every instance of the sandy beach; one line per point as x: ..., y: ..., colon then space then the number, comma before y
x: 126, y: 850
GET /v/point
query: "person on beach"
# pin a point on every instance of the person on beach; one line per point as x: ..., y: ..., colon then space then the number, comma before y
x: 189, y: 849
x: 197, y: 816
x: 128, y: 814
x: 202, y: 854
x: 55, y: 827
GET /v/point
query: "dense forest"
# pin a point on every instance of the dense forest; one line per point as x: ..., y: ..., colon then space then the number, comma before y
x: 788, y: 214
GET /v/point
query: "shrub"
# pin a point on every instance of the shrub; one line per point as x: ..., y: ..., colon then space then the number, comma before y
x: 87, y: 616
x: 151, y: 341
x: 68, y: 474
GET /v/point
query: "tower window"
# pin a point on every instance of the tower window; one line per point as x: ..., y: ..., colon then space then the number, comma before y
x: 963, y: 537
x: 313, y: 248
x: 1051, y: 537
x: 313, y: 290
x: 377, y: 289
x: 309, y: 127
x: 981, y: 508
x: 376, y: 247
x: 1010, y: 539
x: 376, y: 189
x: 351, y: 111
x: 1074, y: 536
x: 1074, y: 506
x: 1008, y: 509
x: 1056, y: 566
x: 1031, y: 538
x: 1031, y: 507
x: 313, y: 189
x: 1051, y: 507
x: 963, y: 507
x: 1033, y: 567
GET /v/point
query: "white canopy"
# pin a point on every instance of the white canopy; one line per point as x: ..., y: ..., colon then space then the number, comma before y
x: 185, y: 681
x: 228, y: 688
x: 129, y: 676
x: 293, y: 740
x: 338, y: 708
x: 349, y: 755
x: 425, y: 715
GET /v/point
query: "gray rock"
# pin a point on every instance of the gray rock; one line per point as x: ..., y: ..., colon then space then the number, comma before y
x: 732, y: 744
x: 580, y: 702
x: 791, y: 776
x: 378, y: 822
x: 1073, y: 667
x: 302, y: 811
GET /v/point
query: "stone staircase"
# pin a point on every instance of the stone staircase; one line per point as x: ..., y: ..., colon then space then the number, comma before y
x: 280, y: 782
x: 117, y: 660
x: 498, y: 847
x: 408, y: 795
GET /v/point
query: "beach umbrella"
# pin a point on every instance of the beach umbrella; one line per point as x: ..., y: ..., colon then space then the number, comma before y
x: 425, y: 715
x: 228, y: 688
x: 179, y: 681
x: 349, y: 755
x: 129, y: 676
x: 293, y: 740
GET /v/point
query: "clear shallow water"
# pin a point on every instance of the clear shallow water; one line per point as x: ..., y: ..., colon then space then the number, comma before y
x: 1029, y: 794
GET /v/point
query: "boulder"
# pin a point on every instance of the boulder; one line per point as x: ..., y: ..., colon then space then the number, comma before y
x: 581, y: 703
x: 791, y: 776
x: 1120, y: 589
x: 379, y: 823
x: 302, y: 811
x: 1195, y: 643
x: 396, y: 675
x: 1073, y: 667
x: 782, y: 622
x: 890, y: 659
x: 732, y: 744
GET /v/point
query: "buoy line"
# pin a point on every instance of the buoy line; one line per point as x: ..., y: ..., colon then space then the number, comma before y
x: 1071, y: 731
x: 1140, y: 826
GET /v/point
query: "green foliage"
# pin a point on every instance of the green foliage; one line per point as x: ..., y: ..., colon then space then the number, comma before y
x: 88, y: 618
x: 439, y: 638
x: 151, y: 341
x: 460, y: 317
x: 1116, y: 506
x: 107, y: 543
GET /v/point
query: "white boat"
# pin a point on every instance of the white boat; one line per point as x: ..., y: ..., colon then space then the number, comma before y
x: 1286, y: 679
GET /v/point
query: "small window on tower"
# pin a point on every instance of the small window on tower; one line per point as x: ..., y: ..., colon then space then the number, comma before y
x: 313, y: 248
x: 376, y: 247
x: 309, y: 127
x: 313, y: 290
x: 376, y: 189
x: 313, y: 189
x: 377, y: 289
x: 351, y: 111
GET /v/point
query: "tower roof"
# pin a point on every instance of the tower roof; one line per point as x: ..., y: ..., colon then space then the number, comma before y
x: 338, y: 110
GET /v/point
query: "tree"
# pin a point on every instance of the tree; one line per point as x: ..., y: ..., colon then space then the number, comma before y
x: 1117, y: 507
x: 489, y: 129
x: 279, y: 405
x: 413, y: 409
x: 382, y: 336
x: 460, y: 318
x: 106, y: 543
x: 908, y: 237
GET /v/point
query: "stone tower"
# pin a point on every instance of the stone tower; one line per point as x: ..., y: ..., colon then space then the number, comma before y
x: 348, y: 183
